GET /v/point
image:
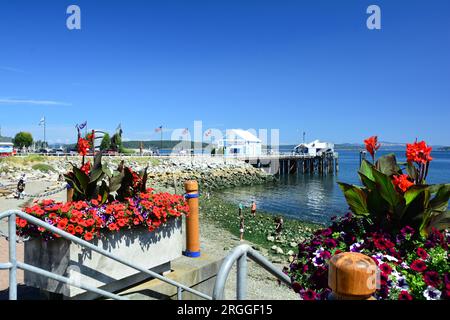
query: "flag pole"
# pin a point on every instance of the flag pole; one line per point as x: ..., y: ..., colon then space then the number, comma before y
x: 45, y: 144
x: 160, y: 151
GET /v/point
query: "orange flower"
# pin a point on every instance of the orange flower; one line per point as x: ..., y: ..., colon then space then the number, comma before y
x: 372, y: 145
x: 83, y: 146
x: 402, y: 183
x: 88, y: 236
x: 86, y: 168
x: 418, y: 152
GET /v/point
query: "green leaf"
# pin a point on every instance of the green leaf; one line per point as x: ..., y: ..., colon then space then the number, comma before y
x: 413, y: 173
x: 73, y: 183
x: 387, y: 191
x: 82, y: 177
x: 356, y: 198
x: 440, y: 201
x: 440, y: 222
x: 367, y: 182
x: 366, y: 169
x: 413, y: 193
x: 96, y: 174
x: 388, y: 165
x: 115, y: 182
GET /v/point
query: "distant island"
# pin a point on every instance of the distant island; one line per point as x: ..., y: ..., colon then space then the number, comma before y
x: 444, y: 149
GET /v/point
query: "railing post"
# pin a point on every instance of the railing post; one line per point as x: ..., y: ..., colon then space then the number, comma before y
x: 69, y: 193
x: 241, y: 279
x: 192, y: 220
x: 352, y: 276
x: 12, y: 257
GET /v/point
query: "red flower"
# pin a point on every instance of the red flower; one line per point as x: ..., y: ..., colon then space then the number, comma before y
x: 113, y: 226
x: 385, y: 268
x: 88, y: 236
x: 86, y: 168
x: 71, y: 229
x: 418, y: 265
x: 83, y: 146
x: 432, y: 278
x: 422, y: 253
x: 401, y: 182
x: 21, y: 222
x: 418, y: 152
x: 404, y: 295
x: 372, y: 145
x: 309, y: 295
x: 296, y: 287
x: 79, y: 229
x: 62, y: 224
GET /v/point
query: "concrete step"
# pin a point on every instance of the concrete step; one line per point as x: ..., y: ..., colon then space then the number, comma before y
x: 197, y: 273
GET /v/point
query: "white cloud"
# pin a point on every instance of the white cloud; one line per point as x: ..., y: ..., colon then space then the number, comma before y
x: 34, y: 102
x: 9, y: 69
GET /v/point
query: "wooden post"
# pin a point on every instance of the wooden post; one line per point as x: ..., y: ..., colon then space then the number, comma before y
x: 192, y: 220
x: 352, y: 276
x: 69, y: 194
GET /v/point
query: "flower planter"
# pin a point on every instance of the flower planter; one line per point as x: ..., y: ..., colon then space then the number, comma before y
x: 152, y: 250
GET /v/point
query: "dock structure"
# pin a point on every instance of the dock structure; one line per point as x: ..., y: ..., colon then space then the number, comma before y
x: 285, y: 164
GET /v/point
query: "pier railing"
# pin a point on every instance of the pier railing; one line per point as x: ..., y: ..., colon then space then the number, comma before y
x: 12, y: 265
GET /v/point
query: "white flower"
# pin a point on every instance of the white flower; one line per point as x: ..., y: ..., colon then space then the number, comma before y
x: 432, y: 293
x: 402, y: 284
x: 378, y: 256
x: 404, y: 265
x: 390, y: 258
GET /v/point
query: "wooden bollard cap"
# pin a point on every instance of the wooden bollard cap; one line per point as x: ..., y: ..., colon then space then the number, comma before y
x: 352, y: 274
x: 191, y: 186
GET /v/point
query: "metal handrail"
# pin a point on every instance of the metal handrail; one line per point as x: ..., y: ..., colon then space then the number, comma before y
x: 240, y: 254
x: 13, y: 264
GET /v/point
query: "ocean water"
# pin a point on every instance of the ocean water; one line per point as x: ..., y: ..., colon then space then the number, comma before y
x: 316, y: 199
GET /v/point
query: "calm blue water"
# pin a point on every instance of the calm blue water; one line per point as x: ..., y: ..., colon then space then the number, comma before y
x: 316, y: 199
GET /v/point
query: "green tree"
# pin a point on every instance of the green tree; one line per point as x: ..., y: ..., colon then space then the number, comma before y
x: 23, y: 140
x: 116, y: 142
x: 106, y: 142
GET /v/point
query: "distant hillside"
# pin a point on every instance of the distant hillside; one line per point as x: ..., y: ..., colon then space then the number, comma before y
x: 5, y: 139
x: 444, y: 149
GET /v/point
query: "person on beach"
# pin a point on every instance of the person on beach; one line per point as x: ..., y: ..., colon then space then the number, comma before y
x: 278, y: 227
x: 241, y: 227
x: 253, y: 208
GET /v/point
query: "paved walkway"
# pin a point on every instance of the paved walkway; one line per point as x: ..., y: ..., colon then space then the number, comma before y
x: 32, y: 187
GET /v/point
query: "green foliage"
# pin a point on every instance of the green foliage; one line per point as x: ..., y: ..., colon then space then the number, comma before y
x: 116, y: 142
x: 23, y: 140
x: 87, y: 186
x: 43, y: 167
x: 106, y: 142
x: 422, y: 206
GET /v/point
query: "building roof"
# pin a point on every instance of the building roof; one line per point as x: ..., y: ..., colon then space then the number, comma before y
x: 243, y: 134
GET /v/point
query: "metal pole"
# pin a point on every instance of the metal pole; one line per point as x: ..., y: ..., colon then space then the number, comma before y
x: 241, y: 281
x: 12, y: 257
x: 179, y: 293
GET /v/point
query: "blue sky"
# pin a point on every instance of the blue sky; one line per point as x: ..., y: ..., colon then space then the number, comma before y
x: 290, y: 65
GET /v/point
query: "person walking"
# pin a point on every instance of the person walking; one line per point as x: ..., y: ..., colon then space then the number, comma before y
x: 241, y: 227
x: 253, y: 208
x: 278, y: 227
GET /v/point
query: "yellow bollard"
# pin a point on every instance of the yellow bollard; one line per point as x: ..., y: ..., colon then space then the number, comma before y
x: 352, y: 276
x: 192, y: 220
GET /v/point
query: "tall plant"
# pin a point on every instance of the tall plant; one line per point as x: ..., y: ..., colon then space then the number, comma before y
x: 393, y: 199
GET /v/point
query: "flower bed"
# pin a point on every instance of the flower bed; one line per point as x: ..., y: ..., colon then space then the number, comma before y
x: 86, y: 219
x: 411, y: 266
x: 397, y: 219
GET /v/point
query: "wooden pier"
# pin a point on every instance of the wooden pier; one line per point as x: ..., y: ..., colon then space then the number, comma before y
x: 294, y: 164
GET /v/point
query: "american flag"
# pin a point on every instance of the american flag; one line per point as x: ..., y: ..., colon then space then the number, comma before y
x: 42, y: 121
x: 208, y: 133
x: 185, y: 131
x: 159, y: 129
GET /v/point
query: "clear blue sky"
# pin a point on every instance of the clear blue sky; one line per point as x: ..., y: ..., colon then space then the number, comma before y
x: 291, y: 65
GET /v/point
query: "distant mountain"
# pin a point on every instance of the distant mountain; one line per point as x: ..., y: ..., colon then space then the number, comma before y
x: 444, y: 149
x: 5, y: 139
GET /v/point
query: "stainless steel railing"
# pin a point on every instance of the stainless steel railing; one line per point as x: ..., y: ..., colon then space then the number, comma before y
x: 240, y: 255
x: 12, y: 265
